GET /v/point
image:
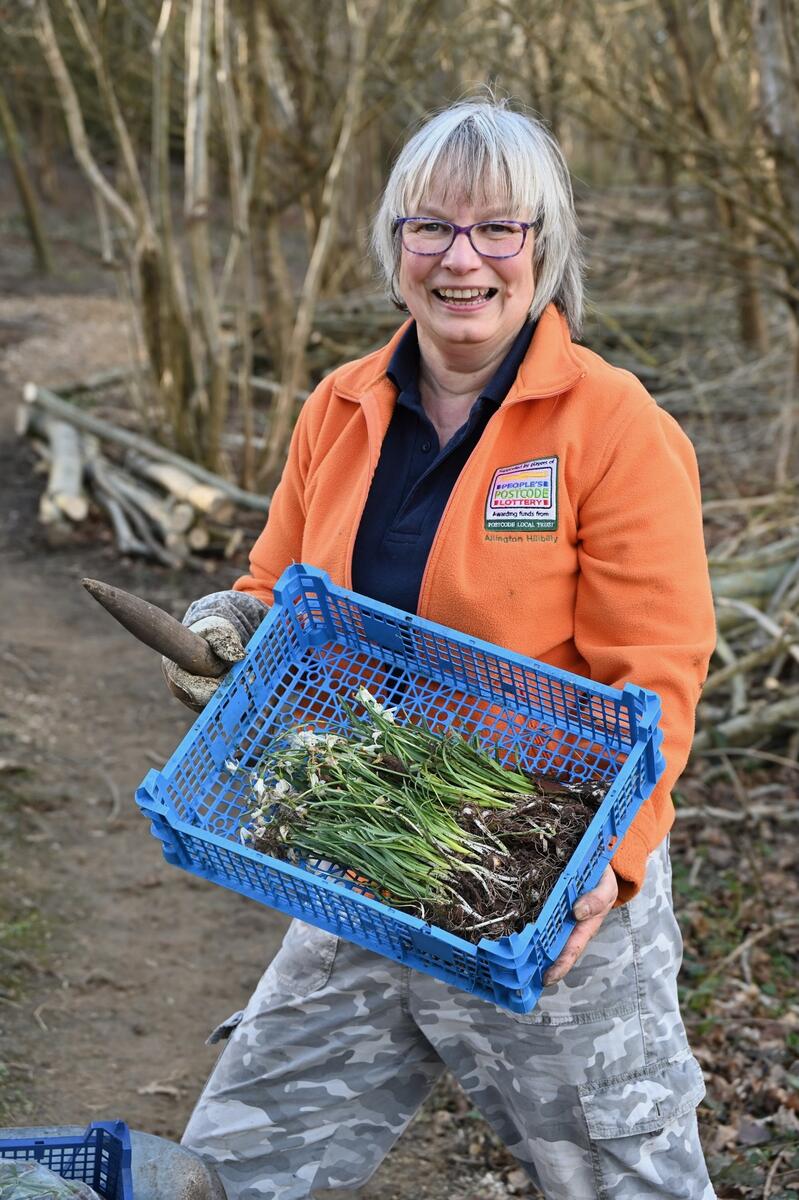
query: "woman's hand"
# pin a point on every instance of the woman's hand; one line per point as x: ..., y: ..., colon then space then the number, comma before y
x: 196, y: 690
x: 590, y: 911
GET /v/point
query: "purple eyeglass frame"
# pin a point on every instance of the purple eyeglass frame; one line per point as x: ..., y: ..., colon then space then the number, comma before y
x: 467, y: 229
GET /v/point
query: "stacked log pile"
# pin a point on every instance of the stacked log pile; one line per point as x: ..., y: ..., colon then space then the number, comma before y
x: 160, y: 506
x: 751, y: 697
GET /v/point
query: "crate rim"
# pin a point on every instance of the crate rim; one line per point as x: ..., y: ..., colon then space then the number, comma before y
x: 117, y: 1128
x: 629, y: 692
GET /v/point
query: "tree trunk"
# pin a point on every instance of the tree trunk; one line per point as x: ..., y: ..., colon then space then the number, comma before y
x: 22, y: 179
x: 284, y: 405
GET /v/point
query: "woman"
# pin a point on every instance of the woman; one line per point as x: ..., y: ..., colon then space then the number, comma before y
x: 407, y: 479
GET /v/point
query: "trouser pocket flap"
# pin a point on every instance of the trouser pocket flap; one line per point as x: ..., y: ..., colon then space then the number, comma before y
x: 223, y: 1031
x: 642, y: 1101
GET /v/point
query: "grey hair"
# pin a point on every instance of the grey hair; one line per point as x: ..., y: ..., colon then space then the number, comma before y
x: 483, y: 151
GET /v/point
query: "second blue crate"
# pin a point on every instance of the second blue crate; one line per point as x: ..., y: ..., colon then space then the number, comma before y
x: 99, y: 1157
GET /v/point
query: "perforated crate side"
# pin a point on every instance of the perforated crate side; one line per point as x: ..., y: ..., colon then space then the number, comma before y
x: 100, y: 1157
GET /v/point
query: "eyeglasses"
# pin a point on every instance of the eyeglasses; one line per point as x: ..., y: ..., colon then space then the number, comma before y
x: 491, y: 239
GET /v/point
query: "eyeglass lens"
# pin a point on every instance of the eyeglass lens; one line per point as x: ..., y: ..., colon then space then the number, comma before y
x: 499, y: 239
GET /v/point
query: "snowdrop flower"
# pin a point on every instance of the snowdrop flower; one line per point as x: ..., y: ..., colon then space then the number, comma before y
x: 371, y: 705
x: 259, y: 787
x: 282, y: 787
x: 306, y: 739
x: 231, y: 765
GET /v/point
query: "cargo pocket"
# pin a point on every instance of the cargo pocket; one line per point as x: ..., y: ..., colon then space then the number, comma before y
x: 620, y: 1110
x: 305, y: 959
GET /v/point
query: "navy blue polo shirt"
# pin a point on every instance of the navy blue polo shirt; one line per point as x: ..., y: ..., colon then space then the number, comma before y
x: 415, y: 476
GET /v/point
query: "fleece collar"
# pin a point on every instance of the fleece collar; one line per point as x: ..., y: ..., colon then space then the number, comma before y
x: 550, y: 366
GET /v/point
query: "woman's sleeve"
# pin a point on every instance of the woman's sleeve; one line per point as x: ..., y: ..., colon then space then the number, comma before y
x: 644, y: 612
x: 280, y: 542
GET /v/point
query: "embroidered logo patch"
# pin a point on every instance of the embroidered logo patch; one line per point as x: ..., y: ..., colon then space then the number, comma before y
x: 524, y: 496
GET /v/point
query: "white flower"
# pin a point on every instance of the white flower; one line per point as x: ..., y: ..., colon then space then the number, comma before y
x: 306, y: 739
x: 389, y: 714
x: 282, y: 787
x: 231, y: 765
x: 314, y: 778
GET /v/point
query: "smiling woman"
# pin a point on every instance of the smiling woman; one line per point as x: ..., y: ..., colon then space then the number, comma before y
x: 486, y: 471
x: 485, y: 155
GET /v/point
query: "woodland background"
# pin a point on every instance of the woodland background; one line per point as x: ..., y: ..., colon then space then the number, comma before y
x: 185, y: 195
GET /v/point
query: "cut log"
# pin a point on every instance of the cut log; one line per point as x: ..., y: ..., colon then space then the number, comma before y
x: 207, y: 499
x: 62, y: 447
x: 198, y: 537
x: 49, y: 402
x: 166, y: 515
x: 64, y: 495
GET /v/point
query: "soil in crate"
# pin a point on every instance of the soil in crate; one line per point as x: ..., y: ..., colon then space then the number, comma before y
x: 528, y: 871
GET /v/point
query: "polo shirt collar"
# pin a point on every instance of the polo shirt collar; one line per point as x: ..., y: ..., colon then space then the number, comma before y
x: 550, y: 366
x: 403, y: 367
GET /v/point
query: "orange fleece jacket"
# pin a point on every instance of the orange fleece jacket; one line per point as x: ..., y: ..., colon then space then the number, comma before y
x: 618, y: 590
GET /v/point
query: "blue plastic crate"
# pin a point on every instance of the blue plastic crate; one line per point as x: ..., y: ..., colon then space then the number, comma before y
x: 100, y: 1157
x: 315, y: 647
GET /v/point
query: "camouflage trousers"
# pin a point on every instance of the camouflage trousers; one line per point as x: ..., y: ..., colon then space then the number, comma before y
x: 594, y: 1092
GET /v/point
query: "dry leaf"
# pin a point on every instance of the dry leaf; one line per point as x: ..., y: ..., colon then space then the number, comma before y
x: 752, y: 1133
x: 159, y: 1089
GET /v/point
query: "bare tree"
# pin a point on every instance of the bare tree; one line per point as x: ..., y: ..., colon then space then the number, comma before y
x: 27, y: 195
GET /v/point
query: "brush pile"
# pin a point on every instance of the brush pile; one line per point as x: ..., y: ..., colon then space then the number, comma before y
x: 751, y: 697
x: 432, y: 825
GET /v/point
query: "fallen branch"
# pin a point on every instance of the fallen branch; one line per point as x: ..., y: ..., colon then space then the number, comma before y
x: 209, y: 500
x: 744, y: 664
x: 131, y: 529
x: 168, y: 517
x: 750, y: 726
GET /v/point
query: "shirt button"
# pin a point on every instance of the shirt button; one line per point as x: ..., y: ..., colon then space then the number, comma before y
x: 425, y: 447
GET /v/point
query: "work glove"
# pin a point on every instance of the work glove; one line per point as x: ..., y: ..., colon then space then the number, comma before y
x: 227, y: 621
x: 196, y: 690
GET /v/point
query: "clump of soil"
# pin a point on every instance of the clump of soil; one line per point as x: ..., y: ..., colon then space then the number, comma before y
x: 534, y: 861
